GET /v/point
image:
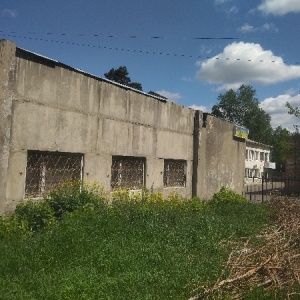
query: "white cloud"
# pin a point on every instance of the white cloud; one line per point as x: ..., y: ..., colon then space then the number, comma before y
x: 233, y: 10
x: 204, y: 50
x: 246, y: 28
x: 279, y: 7
x: 275, y: 107
x: 245, y: 63
x: 229, y: 10
x: 188, y: 79
x: 292, y: 91
x: 218, y: 2
x: 200, y: 107
x: 9, y: 13
x: 171, y: 96
x: 269, y: 27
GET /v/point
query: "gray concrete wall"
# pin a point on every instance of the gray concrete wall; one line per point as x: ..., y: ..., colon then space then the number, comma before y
x: 48, y: 106
x: 221, y: 157
x: 7, y: 67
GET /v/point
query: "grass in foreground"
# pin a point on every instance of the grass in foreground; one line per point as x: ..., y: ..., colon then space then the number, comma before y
x: 127, y: 250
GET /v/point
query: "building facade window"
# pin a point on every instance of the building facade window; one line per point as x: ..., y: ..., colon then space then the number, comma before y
x: 252, y: 172
x: 262, y: 156
x: 174, y: 173
x: 45, y: 170
x: 267, y: 157
x: 251, y: 155
x: 128, y: 172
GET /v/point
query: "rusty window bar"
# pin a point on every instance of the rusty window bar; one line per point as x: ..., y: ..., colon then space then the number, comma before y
x: 128, y: 172
x: 174, y: 173
x: 45, y: 170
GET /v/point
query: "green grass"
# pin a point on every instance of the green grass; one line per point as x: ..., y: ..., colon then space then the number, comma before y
x: 130, y: 250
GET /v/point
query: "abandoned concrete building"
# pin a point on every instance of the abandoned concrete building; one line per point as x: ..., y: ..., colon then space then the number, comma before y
x: 58, y: 123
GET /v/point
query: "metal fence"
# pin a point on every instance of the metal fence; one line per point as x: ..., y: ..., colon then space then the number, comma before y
x: 271, y: 185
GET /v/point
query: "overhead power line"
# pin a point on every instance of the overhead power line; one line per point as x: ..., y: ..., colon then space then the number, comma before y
x: 13, y: 35
x: 116, y: 36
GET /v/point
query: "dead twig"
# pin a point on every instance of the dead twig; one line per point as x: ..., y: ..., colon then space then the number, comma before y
x: 275, y: 265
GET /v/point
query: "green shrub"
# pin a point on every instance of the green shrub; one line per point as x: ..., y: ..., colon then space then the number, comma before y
x: 72, y: 195
x: 66, y: 198
x: 226, y: 195
x: 10, y: 225
x: 156, y: 249
x: 34, y: 215
x: 122, y: 196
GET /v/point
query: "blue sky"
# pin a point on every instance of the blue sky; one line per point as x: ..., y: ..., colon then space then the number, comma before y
x: 190, y: 51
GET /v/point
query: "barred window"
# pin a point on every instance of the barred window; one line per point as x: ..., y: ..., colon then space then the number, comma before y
x: 127, y: 171
x: 174, y: 173
x: 45, y: 170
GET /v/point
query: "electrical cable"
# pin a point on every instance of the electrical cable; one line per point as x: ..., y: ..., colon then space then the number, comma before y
x: 13, y: 35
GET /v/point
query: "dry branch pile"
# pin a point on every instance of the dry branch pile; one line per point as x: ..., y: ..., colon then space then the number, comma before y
x: 270, y: 261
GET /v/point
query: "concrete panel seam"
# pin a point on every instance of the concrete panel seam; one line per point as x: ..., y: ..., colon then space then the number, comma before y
x: 102, y: 116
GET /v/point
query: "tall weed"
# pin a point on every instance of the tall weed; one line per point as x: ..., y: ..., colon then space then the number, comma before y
x: 142, y: 247
x: 34, y: 215
x: 10, y: 225
x: 72, y: 195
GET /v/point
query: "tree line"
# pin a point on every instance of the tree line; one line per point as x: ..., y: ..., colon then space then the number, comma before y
x: 242, y: 107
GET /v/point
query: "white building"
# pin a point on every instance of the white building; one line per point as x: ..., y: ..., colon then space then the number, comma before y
x: 258, y: 160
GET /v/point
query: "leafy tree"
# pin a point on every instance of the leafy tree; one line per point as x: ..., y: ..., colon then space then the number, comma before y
x: 120, y: 75
x: 136, y: 85
x: 242, y: 107
x: 280, y: 148
x: 293, y: 110
x: 296, y: 112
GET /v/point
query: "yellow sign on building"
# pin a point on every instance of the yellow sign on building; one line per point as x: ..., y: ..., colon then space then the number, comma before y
x: 241, y: 132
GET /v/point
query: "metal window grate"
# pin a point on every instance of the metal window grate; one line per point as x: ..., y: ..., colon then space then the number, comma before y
x: 174, y: 173
x: 45, y: 170
x: 128, y: 172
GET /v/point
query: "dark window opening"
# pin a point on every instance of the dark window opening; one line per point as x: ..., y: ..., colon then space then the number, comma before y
x: 128, y: 172
x: 174, y: 173
x: 45, y: 170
